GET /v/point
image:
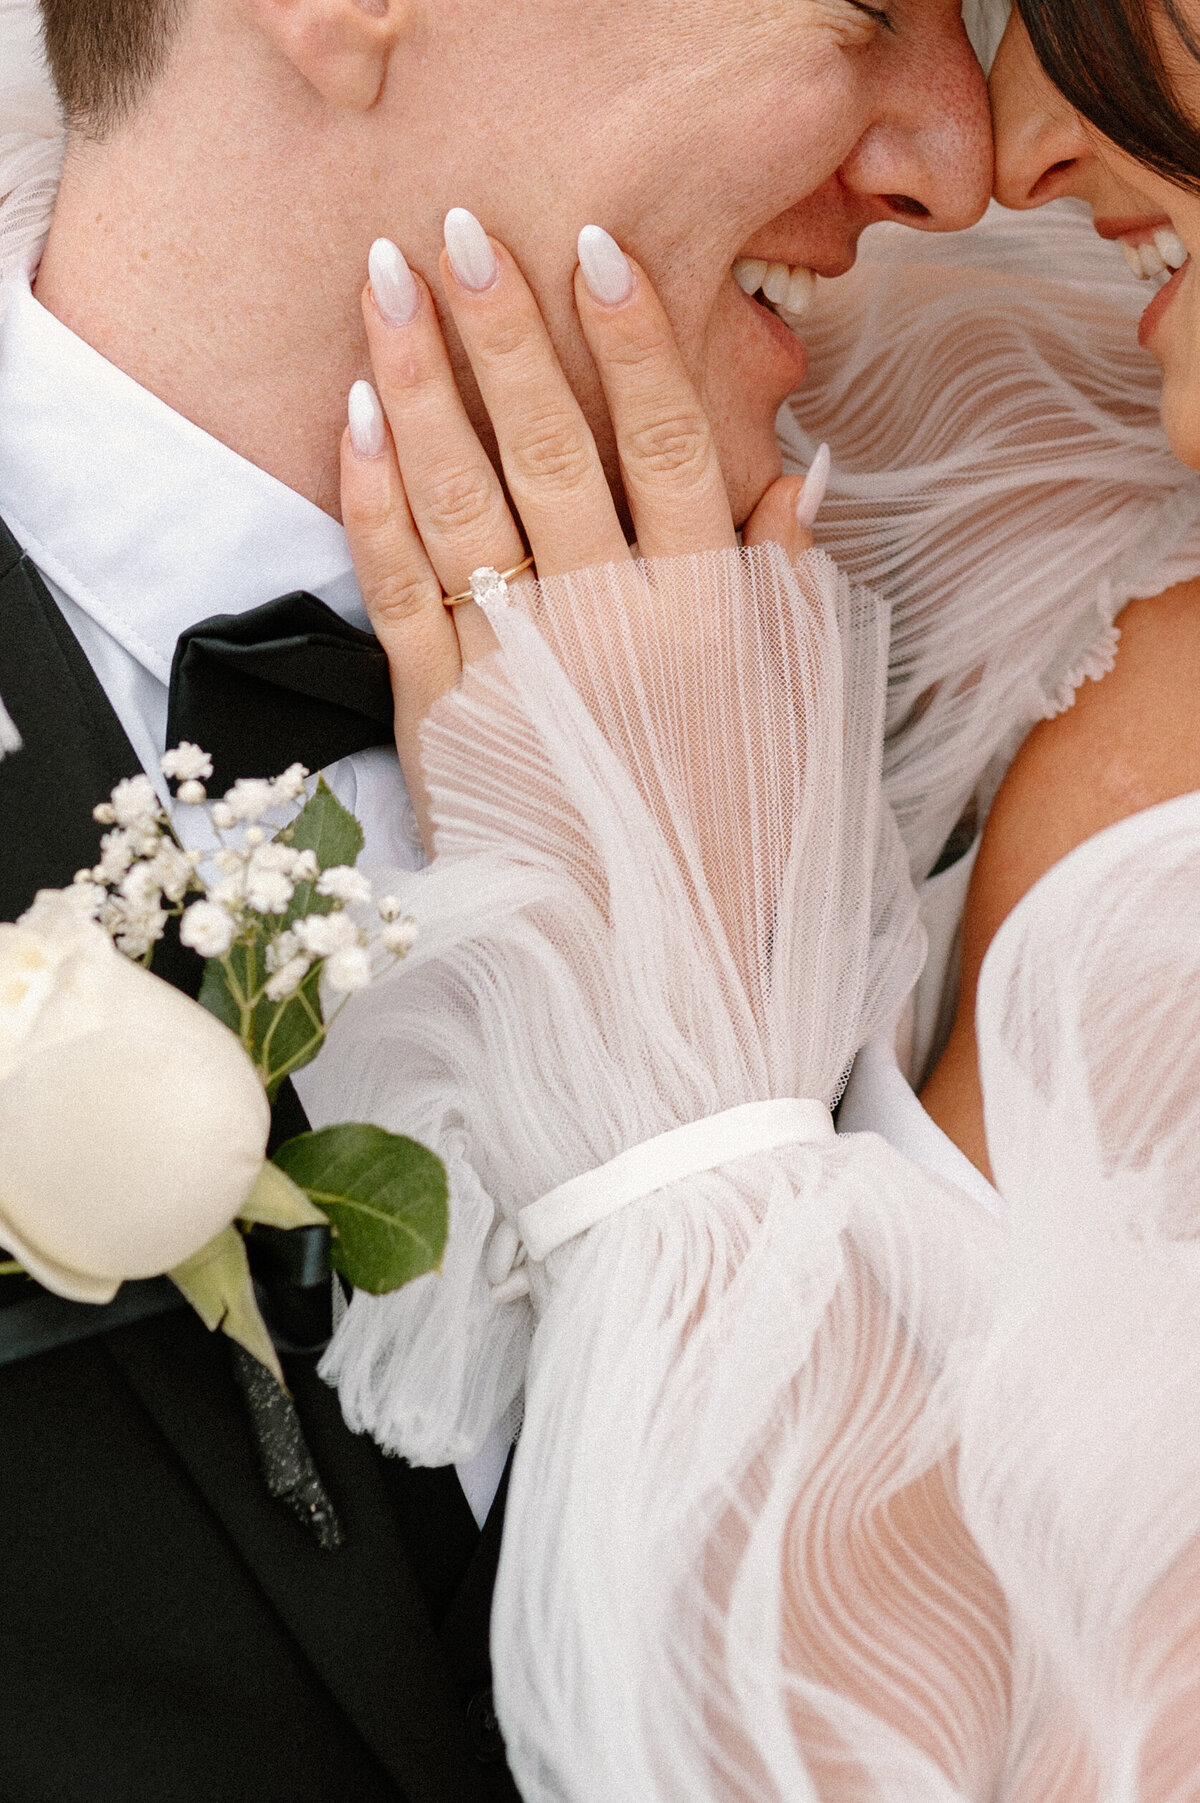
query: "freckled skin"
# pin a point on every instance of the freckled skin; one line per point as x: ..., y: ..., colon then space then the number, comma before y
x: 691, y: 129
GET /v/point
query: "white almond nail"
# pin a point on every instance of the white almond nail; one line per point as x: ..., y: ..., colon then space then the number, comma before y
x: 605, y: 267
x: 776, y: 282
x: 1170, y: 247
x: 808, y: 501
x: 748, y: 273
x: 471, y: 256
x: 802, y: 290
x: 396, y: 294
x: 368, y: 434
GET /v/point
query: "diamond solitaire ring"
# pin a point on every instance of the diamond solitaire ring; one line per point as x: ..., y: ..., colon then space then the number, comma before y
x: 488, y: 585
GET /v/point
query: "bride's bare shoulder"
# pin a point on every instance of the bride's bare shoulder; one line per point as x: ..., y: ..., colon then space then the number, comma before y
x: 1130, y: 741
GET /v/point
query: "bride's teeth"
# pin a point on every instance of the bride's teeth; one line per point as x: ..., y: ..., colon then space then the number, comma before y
x: 1152, y: 263
x: 1133, y: 258
x: 1170, y: 247
x: 776, y: 282
x: 748, y: 273
x: 802, y: 285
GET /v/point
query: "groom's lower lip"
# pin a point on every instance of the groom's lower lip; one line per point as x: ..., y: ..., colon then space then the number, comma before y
x: 782, y: 339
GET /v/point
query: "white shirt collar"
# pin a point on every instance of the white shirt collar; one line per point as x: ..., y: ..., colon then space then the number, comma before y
x: 145, y: 521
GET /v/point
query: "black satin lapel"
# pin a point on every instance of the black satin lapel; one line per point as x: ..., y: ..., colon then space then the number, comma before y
x: 357, y: 1613
x: 75, y: 749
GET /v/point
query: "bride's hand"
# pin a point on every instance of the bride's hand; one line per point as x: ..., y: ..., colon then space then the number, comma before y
x: 422, y: 505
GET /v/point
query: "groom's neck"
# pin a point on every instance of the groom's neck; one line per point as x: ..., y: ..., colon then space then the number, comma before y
x: 221, y: 277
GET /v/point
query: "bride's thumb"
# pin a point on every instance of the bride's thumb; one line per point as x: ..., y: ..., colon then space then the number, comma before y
x: 786, y: 512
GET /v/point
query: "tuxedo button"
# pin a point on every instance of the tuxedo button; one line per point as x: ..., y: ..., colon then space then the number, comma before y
x: 483, y: 1729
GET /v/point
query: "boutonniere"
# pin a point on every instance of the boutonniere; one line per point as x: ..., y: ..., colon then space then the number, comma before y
x: 134, y: 1121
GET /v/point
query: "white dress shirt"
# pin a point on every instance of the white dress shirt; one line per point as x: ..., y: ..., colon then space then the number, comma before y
x: 141, y: 525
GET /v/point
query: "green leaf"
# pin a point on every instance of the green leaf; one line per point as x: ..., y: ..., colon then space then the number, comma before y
x: 323, y: 825
x: 283, y: 1036
x: 216, y: 1281
x: 385, y: 1197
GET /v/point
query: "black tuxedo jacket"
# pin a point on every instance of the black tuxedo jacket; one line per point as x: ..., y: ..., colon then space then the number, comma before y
x: 168, y: 1633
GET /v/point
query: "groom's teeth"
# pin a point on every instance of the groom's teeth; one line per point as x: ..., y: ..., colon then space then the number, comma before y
x: 748, y: 273
x: 802, y: 286
x: 1133, y: 258
x: 790, y: 287
x: 1170, y: 247
x: 1152, y: 263
x: 776, y: 282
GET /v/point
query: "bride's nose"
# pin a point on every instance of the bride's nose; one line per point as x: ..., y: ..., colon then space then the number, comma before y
x: 1042, y: 148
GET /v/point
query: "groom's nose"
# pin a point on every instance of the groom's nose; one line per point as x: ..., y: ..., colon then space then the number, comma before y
x: 929, y: 161
x: 1042, y: 147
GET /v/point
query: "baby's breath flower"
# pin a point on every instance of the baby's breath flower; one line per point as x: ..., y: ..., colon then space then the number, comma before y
x: 140, y: 888
x: 208, y: 928
x: 399, y: 937
x: 250, y: 798
x: 322, y: 935
x: 349, y: 969
x: 254, y: 836
x: 104, y: 813
x: 281, y: 949
x: 232, y: 892
x: 268, y: 891
x: 389, y: 908
x: 173, y: 870
x: 135, y: 802
x: 288, y: 978
x: 116, y: 856
x: 222, y: 816
x: 142, y: 928
x: 344, y: 884
x: 191, y: 793
x: 187, y: 763
x: 289, y: 786
x: 306, y: 868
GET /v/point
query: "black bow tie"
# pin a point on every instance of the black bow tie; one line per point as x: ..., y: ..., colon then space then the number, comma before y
x: 288, y: 682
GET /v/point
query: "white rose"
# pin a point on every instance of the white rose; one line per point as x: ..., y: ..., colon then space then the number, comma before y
x: 132, y: 1124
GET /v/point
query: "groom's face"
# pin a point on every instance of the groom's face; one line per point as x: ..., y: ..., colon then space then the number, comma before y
x: 714, y: 138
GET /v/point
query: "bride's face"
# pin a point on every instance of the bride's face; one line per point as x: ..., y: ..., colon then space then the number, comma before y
x: 1044, y: 150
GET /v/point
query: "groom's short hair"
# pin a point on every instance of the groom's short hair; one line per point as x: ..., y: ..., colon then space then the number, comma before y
x: 103, y: 54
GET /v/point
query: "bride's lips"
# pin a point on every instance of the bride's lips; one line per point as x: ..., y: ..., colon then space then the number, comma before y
x: 1152, y: 317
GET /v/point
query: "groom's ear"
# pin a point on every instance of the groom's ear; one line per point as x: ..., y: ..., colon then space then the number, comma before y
x: 340, y: 47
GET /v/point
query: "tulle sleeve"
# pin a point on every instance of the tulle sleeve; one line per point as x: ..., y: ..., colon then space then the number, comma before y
x: 667, y: 895
x: 1000, y: 476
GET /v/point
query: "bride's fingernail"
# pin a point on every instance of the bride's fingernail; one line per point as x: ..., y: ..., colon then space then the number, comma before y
x: 808, y: 501
x: 605, y: 267
x: 368, y: 433
x: 471, y: 256
x: 396, y: 294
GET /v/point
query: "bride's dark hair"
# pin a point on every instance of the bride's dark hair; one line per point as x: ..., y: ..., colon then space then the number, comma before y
x: 1106, y: 56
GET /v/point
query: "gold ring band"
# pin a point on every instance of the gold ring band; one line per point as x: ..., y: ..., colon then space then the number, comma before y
x: 488, y: 584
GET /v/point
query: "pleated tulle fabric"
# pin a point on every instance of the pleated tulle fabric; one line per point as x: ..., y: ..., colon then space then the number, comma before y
x: 1000, y: 477
x: 666, y: 885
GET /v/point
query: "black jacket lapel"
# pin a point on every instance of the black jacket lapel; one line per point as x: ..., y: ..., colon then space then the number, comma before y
x: 75, y: 751
x: 356, y: 1613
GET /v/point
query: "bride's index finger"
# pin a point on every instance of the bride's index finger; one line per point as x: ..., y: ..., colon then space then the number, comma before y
x: 669, y: 461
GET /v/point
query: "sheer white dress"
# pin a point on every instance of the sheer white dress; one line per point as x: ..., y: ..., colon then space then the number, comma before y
x: 828, y: 1485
